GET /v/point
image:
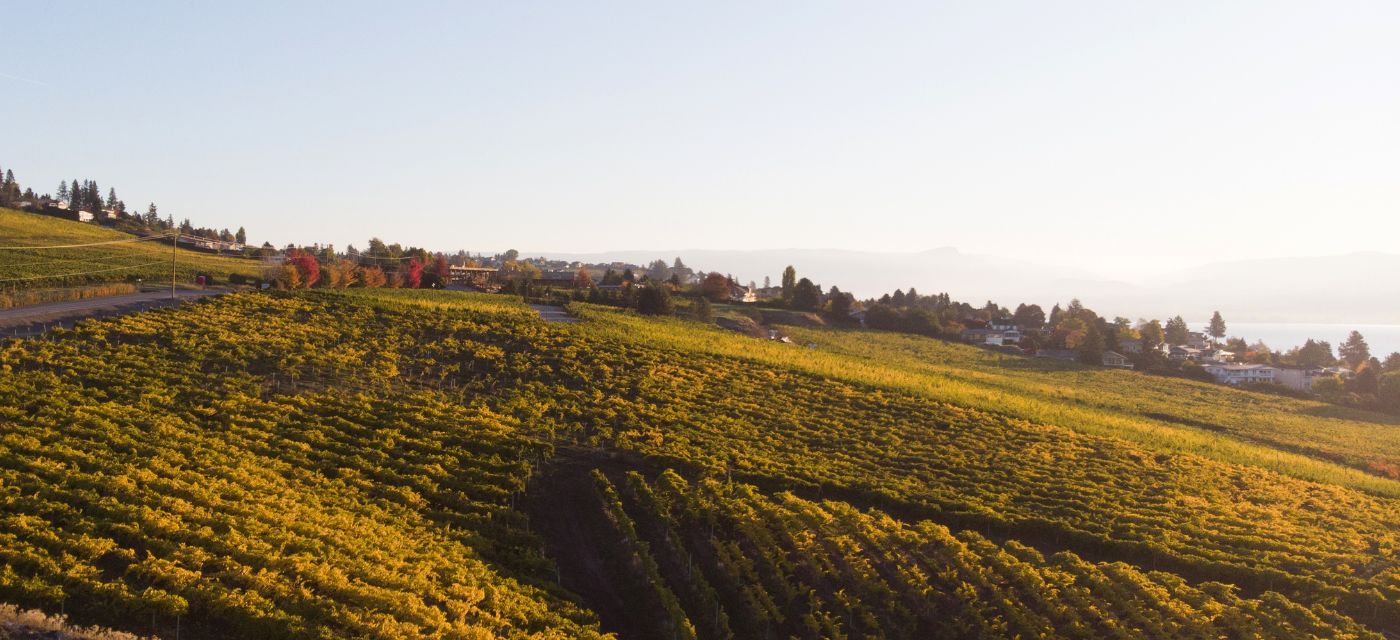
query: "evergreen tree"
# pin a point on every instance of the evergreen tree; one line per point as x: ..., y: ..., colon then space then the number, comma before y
x: 1355, y: 350
x: 112, y: 198
x: 75, y: 196
x: 1178, y: 333
x: 1217, y: 326
x: 1392, y: 362
x: 1238, y: 347
x: 789, y: 283
x: 62, y: 193
x: 1314, y: 353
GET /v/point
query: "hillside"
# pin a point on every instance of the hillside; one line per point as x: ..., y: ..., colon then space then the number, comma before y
x: 31, y: 269
x: 397, y: 463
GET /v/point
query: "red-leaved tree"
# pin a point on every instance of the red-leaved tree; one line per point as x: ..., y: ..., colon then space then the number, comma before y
x: 415, y: 273
x: 305, y: 264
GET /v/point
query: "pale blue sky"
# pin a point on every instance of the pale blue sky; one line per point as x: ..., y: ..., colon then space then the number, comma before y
x: 1130, y: 135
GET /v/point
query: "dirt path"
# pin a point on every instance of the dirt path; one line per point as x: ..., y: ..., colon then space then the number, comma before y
x: 554, y: 314
x: 34, y: 319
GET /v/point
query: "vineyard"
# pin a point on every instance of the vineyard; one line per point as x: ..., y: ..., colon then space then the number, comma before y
x: 732, y: 562
x: 47, y: 269
x: 397, y: 463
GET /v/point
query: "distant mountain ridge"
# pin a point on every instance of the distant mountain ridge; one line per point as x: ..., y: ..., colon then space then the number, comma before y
x: 1358, y: 287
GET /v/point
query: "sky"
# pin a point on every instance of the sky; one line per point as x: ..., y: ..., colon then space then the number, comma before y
x: 1120, y: 137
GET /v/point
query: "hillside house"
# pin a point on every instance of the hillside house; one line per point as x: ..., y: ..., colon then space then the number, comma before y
x: 1194, y: 354
x: 83, y: 216
x: 1302, y: 378
x: 1115, y: 359
x: 1180, y: 353
x: 991, y: 336
x: 1198, y: 340
x: 743, y: 295
x: 1235, y: 374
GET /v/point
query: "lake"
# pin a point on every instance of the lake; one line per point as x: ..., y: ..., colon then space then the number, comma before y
x: 1382, y: 338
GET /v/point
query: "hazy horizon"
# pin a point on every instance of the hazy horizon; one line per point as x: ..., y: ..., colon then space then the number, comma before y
x: 1135, y: 137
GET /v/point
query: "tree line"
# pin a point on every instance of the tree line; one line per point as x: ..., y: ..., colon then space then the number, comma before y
x: 85, y: 195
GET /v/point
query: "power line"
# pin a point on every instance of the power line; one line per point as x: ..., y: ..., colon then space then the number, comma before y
x: 89, y: 244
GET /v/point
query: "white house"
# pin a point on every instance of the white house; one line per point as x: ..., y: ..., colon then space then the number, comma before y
x: 1228, y: 373
x: 84, y: 216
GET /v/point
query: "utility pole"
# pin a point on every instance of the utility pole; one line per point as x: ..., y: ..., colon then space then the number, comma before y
x: 173, y: 246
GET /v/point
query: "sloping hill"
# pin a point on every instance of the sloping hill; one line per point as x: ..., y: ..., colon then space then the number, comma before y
x: 122, y: 261
x: 397, y: 463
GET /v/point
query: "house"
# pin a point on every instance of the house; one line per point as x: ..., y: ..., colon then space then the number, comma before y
x: 1217, y: 355
x: 1057, y: 354
x: 1303, y: 378
x: 1180, y: 353
x: 991, y: 336
x: 1115, y: 359
x: 470, y: 275
x: 980, y: 335
x: 1234, y: 374
x: 83, y: 216
x: 1198, y: 340
x: 1002, y: 325
x: 561, y: 279
x: 1133, y: 347
x: 1300, y: 379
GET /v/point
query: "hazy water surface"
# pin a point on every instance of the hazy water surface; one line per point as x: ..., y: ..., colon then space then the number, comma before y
x: 1382, y: 338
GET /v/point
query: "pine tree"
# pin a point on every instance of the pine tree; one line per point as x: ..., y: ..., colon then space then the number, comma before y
x: 1217, y: 326
x: 1355, y: 350
x: 62, y: 193
x: 1178, y: 333
x: 789, y: 283
x: 242, y: 236
x: 112, y: 198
